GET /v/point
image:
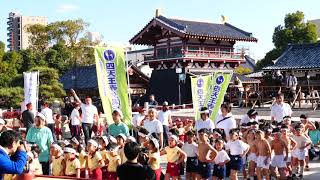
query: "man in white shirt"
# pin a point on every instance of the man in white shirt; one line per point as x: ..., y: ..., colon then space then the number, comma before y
x: 164, y: 117
x: 153, y: 125
x: 89, y: 115
x: 204, y: 122
x: 225, y: 120
x: 47, y: 112
x: 280, y: 109
x: 75, y: 121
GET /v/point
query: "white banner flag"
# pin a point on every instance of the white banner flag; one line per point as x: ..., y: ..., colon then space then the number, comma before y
x: 31, y: 83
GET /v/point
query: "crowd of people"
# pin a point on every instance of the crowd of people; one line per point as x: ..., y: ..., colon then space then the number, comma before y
x: 83, y: 146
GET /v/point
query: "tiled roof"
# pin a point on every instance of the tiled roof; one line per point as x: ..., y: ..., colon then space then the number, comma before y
x: 87, y: 77
x: 208, y: 29
x: 244, y: 79
x: 298, y: 56
x: 196, y: 29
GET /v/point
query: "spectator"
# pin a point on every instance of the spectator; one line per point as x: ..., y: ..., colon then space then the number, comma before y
x: 47, y: 112
x: 164, y: 117
x: 280, y: 109
x: 225, y: 120
x: 153, y: 125
x: 118, y: 127
x: 75, y: 121
x: 152, y: 102
x: 315, y: 139
x: 291, y: 84
x: 240, y: 90
x: 42, y: 136
x: 28, y: 117
x: 204, y: 122
x: 137, y: 121
x: 249, y: 117
x: 132, y: 169
x: 13, y: 156
x: 89, y: 114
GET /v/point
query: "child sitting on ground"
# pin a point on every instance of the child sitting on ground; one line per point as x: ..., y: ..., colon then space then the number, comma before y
x: 58, y: 163
x: 114, y: 161
x: 95, y: 161
x: 72, y: 163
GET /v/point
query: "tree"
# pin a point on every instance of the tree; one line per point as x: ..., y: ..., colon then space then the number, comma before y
x: 2, y: 50
x: 242, y: 70
x: 39, y: 38
x: 294, y: 31
x: 11, y: 97
x: 50, y: 88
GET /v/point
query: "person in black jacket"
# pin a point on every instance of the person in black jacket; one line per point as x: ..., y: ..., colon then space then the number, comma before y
x: 28, y: 117
x: 132, y: 169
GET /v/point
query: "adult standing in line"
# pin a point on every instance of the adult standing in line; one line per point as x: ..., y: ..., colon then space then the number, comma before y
x: 89, y: 115
x: 152, y: 101
x: 291, y: 84
x: 280, y: 109
x: 251, y: 116
x: 28, y: 116
x: 42, y: 136
x: 118, y: 127
x: 238, y: 84
x: 225, y: 120
x: 13, y: 156
x: 204, y: 121
x: 75, y: 121
x: 153, y: 125
x: 47, y: 112
x: 164, y: 117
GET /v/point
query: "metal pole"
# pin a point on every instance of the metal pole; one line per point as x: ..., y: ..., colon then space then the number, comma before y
x: 128, y: 80
x: 179, y: 92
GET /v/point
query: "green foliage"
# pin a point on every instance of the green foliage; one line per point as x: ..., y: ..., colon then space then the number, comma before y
x: 50, y: 89
x: 242, y: 70
x: 294, y: 31
x: 11, y: 97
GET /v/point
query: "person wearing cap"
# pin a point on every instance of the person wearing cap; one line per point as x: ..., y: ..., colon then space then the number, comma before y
x: 175, y: 156
x: 72, y: 163
x: 75, y: 121
x: 58, y: 162
x: 280, y: 109
x: 47, y: 112
x: 225, y: 120
x: 103, y: 142
x: 204, y: 121
x: 13, y: 156
x: 154, y: 157
x: 153, y: 125
x: 118, y: 126
x: 89, y: 115
x: 307, y: 127
x: 95, y: 161
x: 121, y: 139
x: 249, y: 117
x: 164, y: 117
x: 28, y: 116
x: 299, y: 152
x: 42, y: 136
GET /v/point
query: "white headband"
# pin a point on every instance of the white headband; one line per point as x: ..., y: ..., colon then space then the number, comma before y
x: 70, y: 150
x: 93, y: 142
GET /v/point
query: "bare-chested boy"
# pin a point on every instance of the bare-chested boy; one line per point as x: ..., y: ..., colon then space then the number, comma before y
x: 290, y: 143
x: 252, y: 156
x: 264, y: 156
x: 280, y: 150
x: 207, y: 155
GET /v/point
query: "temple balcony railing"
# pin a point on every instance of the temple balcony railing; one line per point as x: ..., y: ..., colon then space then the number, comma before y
x: 198, y: 54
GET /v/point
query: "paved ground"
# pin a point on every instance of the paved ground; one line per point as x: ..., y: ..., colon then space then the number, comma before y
x: 264, y: 113
x: 312, y: 174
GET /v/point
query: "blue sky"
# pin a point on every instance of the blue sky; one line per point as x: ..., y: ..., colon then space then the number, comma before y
x: 119, y: 20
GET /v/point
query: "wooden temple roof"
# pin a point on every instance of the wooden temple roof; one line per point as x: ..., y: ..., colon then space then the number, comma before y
x: 160, y: 25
